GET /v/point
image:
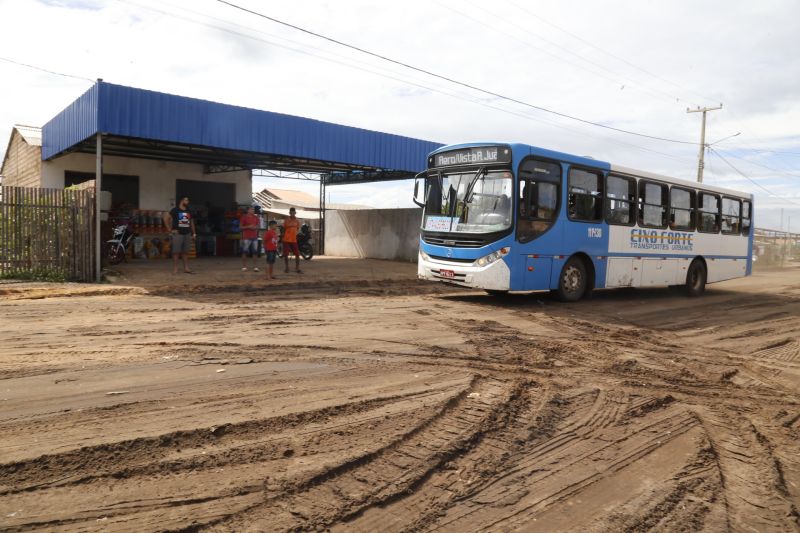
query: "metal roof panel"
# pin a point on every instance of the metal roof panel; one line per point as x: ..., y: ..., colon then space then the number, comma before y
x: 138, y: 113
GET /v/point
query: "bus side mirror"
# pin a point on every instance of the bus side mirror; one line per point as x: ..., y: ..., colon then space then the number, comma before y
x: 419, y: 194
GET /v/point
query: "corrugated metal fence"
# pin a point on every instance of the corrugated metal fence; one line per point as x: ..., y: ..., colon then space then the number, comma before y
x: 46, y: 233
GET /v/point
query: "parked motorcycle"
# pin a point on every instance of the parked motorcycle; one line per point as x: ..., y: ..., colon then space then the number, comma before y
x: 304, y: 242
x: 118, y: 246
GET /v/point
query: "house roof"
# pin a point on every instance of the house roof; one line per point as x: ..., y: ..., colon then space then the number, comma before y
x: 31, y: 134
x: 299, y: 198
x: 140, y: 123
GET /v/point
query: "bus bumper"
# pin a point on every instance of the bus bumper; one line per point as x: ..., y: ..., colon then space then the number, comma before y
x: 494, y: 276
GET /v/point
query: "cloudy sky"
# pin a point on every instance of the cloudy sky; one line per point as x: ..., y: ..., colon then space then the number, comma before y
x: 633, y: 65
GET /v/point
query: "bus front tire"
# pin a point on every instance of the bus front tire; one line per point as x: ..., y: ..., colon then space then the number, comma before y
x: 573, y: 281
x: 696, y: 279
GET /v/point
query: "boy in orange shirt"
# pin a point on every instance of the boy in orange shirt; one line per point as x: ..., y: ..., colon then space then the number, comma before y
x: 290, y: 227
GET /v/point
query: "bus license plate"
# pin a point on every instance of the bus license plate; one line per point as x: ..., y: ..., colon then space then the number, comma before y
x: 449, y: 274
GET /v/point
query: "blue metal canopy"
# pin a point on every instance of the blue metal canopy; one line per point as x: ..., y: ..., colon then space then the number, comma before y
x: 148, y: 124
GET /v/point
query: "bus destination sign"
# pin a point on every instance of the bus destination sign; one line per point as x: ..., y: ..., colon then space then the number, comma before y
x: 471, y: 156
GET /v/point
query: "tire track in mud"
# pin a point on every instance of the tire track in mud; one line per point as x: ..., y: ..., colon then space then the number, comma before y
x: 334, y: 436
x: 380, y: 477
x: 755, y: 492
x: 583, y: 421
x: 690, y: 501
x: 530, y: 413
x: 150, y: 455
x: 586, y: 447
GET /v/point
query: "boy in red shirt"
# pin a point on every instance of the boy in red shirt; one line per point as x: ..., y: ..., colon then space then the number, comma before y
x: 271, y: 247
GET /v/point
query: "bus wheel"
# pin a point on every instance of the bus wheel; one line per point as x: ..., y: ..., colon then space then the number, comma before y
x: 696, y: 279
x: 573, y: 281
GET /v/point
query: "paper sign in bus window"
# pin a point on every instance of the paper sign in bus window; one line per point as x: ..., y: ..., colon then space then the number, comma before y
x: 440, y: 223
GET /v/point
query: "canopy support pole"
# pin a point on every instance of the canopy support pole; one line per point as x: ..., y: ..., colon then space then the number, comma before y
x: 322, y: 214
x: 98, y: 186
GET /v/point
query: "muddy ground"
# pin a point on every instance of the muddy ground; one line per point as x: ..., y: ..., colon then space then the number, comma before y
x: 385, y: 404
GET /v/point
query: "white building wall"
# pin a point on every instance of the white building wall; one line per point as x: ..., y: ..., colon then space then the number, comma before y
x: 373, y: 233
x: 156, y: 178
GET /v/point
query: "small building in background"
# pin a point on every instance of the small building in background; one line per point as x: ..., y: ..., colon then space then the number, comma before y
x: 275, y: 205
x: 22, y: 163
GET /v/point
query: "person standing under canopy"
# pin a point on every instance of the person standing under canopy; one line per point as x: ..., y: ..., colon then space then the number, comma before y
x: 291, y: 226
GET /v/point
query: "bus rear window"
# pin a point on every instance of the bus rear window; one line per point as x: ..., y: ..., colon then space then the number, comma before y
x: 746, y: 217
x: 731, y: 212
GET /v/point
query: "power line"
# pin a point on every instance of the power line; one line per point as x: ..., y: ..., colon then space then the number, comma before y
x: 448, y: 79
x: 525, y: 42
x: 459, y: 96
x: 790, y: 174
x: 34, y: 67
x: 748, y: 178
x: 615, y: 56
x: 740, y: 147
x: 347, y: 63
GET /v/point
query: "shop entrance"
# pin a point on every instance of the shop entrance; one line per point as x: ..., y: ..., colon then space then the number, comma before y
x: 209, y: 202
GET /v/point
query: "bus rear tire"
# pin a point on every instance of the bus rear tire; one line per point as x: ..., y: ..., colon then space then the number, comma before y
x: 573, y: 281
x: 696, y: 279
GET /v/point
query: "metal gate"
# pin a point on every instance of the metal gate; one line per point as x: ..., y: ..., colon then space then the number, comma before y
x: 46, y: 234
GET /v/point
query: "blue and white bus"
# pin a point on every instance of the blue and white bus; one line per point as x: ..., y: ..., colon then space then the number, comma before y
x: 517, y: 218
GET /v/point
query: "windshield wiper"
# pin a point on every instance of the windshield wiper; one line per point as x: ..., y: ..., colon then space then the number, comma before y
x: 470, y: 188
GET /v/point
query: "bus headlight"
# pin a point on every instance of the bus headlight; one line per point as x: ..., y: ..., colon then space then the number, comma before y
x: 424, y: 256
x: 494, y: 256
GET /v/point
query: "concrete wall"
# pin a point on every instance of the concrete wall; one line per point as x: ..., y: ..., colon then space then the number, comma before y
x: 373, y: 233
x: 156, y: 178
x: 22, y: 162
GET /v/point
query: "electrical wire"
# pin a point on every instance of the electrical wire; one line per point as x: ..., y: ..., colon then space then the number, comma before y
x: 745, y: 148
x: 448, y: 79
x: 627, y: 81
x: 611, y: 54
x: 407, y: 81
x: 748, y: 178
x: 790, y: 174
x: 34, y: 67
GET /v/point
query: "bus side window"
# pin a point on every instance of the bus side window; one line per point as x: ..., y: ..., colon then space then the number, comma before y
x: 746, y: 217
x: 620, y: 200
x: 708, y: 213
x: 681, y: 203
x: 652, y: 205
x: 731, y: 211
x: 585, y: 198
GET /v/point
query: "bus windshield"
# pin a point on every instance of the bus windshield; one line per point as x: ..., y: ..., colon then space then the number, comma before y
x: 476, y: 201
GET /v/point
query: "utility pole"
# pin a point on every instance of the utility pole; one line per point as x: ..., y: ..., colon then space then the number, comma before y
x: 700, y: 162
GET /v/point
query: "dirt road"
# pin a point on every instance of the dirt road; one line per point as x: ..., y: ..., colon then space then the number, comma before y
x: 399, y: 406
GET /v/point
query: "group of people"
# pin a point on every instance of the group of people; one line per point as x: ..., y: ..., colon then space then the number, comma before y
x: 183, y: 232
